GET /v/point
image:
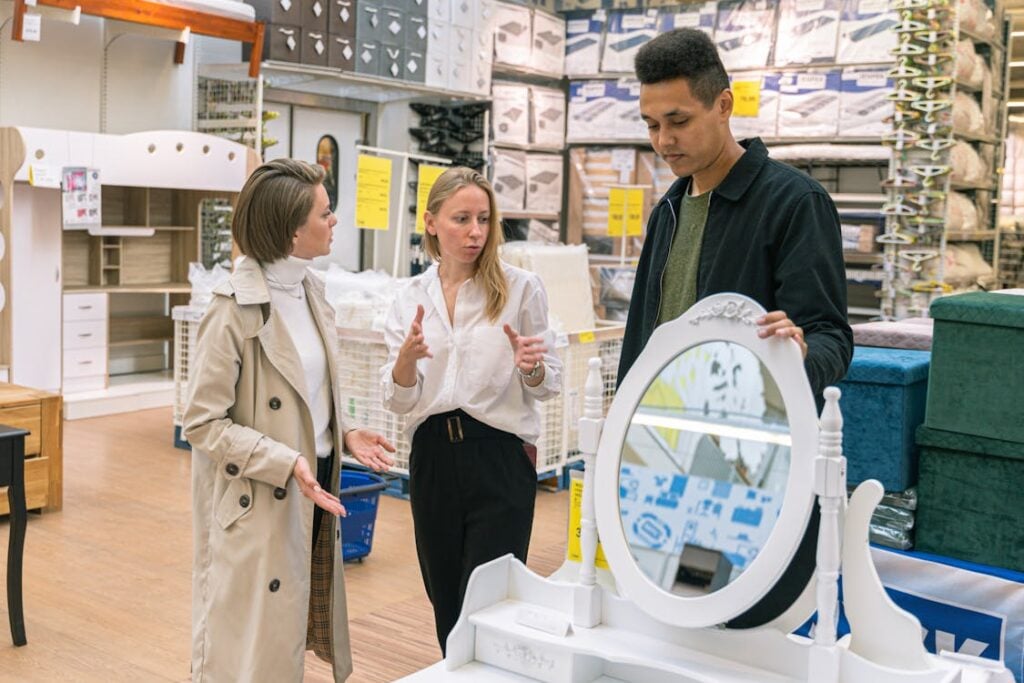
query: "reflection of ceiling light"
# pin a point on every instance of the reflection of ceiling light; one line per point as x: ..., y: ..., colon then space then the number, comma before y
x: 717, y: 428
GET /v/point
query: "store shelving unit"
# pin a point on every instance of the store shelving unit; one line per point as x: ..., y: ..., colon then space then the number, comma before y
x: 908, y: 292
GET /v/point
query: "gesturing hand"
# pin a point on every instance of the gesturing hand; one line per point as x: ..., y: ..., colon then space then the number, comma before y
x: 777, y: 323
x: 413, y: 348
x: 369, y: 449
x: 529, y: 351
x: 310, y: 488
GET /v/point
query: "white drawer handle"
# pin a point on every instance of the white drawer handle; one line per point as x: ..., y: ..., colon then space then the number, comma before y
x: 85, y: 335
x: 85, y: 362
x: 85, y: 308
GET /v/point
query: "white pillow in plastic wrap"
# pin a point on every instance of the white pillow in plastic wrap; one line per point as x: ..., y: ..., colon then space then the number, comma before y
x: 970, y: 68
x: 204, y: 281
x: 360, y: 300
x: 967, y: 116
x: 967, y: 165
x: 964, y: 266
x: 962, y: 213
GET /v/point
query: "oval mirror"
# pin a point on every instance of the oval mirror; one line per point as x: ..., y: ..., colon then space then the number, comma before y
x: 704, y: 475
x: 703, y: 469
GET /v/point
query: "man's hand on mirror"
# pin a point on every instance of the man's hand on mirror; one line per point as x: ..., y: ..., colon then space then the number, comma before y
x: 778, y: 324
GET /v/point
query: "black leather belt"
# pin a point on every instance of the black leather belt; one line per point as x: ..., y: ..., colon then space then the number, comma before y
x: 457, y: 426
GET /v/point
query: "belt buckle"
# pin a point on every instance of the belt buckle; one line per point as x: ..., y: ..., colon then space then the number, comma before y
x: 454, y: 423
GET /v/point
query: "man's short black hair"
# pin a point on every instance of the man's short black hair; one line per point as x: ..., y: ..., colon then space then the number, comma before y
x: 683, y: 53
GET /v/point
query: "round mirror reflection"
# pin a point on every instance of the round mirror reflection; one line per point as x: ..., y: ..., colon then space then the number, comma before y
x: 704, y: 468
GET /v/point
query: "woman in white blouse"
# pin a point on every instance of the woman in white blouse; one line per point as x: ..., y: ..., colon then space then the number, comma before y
x: 469, y: 358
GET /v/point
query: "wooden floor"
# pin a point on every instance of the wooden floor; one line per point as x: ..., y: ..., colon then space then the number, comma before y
x: 107, y: 579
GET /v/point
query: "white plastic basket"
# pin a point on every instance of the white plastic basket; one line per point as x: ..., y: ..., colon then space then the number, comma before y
x: 186, y: 328
x: 363, y: 352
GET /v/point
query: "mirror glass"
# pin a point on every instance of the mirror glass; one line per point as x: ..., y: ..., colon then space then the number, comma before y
x: 704, y: 468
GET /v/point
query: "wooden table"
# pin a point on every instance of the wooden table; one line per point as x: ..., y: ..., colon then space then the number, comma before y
x: 12, y: 475
x: 38, y: 413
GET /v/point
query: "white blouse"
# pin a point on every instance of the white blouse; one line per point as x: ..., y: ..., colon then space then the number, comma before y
x: 473, y: 365
x: 288, y: 300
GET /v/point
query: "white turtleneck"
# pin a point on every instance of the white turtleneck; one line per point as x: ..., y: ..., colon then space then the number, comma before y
x: 288, y: 299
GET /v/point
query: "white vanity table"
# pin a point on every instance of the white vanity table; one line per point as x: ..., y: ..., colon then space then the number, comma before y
x: 701, y: 482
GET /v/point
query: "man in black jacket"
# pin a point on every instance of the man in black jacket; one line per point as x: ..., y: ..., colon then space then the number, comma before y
x: 734, y: 221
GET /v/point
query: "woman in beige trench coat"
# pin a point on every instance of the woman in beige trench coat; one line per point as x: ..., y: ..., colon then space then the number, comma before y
x: 264, y: 590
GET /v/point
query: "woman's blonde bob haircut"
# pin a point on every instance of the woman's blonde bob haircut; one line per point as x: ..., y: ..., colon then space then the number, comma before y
x: 274, y: 202
x: 489, y: 272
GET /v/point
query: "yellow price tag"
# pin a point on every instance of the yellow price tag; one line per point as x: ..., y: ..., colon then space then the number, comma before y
x: 428, y: 175
x: 373, y: 192
x: 587, y: 337
x: 746, y: 98
x: 625, y: 209
x: 573, y: 551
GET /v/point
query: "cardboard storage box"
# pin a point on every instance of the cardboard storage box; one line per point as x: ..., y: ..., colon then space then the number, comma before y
x: 865, y: 32
x: 547, y: 117
x: 807, y: 31
x: 544, y: 182
x: 809, y: 103
x: 883, y: 403
x: 511, y: 113
x: 513, y: 33
x: 583, y: 34
x: 977, y: 373
x: 341, y: 18
x: 970, y: 498
x: 509, y: 179
x: 864, y: 104
x: 760, y: 119
x: 627, y: 32
x: 745, y: 32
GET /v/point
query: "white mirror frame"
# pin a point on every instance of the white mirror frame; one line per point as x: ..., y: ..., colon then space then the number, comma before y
x: 722, y: 317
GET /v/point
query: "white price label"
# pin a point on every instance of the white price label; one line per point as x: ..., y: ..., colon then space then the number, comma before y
x: 577, y: 26
x: 686, y: 20
x: 810, y: 5
x: 811, y: 81
x: 32, y: 28
x: 593, y: 89
x: 872, y: 7
x: 872, y: 80
x: 634, y: 21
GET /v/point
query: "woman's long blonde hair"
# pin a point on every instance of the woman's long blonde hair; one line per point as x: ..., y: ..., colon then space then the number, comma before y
x: 489, y: 272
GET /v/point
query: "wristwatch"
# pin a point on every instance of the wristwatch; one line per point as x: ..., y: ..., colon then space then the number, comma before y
x: 532, y: 374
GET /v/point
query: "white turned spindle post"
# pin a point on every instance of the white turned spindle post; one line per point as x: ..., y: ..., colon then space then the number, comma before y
x: 830, y: 487
x: 587, y: 603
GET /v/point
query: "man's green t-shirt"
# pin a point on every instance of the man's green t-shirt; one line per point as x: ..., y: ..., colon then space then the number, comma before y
x: 679, y: 283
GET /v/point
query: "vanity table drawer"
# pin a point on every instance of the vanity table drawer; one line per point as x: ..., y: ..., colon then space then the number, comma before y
x: 87, y: 306
x: 85, y: 362
x: 85, y: 334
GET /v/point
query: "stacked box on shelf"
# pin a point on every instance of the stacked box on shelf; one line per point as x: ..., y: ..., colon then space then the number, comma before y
x: 884, y: 396
x: 544, y: 182
x: 282, y: 41
x: 808, y: 31
x: 605, y: 110
x: 745, y: 32
x: 547, y: 117
x: 508, y: 176
x: 584, y: 35
x: 865, y: 32
x: 864, y: 106
x: 809, y: 103
x: 457, y: 53
x: 700, y: 16
x: 341, y: 34
x: 972, y: 441
x: 513, y: 34
x: 510, y: 113
x: 547, y: 52
x: 626, y: 33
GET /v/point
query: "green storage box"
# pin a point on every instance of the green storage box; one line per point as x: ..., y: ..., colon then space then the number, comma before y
x: 977, y: 374
x: 970, y: 498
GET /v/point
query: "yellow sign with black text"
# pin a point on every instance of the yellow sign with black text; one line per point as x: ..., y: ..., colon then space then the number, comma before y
x: 746, y: 98
x: 427, y: 176
x: 625, y: 210
x: 373, y: 192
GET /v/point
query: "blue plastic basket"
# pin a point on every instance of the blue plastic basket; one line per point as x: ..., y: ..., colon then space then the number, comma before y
x: 360, y: 492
